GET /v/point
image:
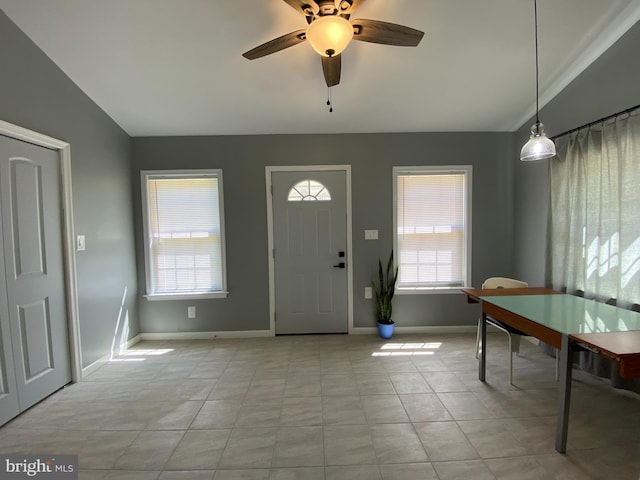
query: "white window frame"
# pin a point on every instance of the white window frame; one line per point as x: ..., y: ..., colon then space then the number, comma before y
x: 144, y: 176
x: 467, y: 170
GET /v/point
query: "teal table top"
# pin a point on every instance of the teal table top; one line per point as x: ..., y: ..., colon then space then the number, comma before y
x: 569, y: 314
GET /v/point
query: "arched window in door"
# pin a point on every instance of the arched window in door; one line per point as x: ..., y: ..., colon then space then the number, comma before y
x: 309, y: 191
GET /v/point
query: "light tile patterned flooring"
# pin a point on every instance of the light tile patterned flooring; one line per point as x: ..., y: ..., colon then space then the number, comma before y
x: 331, y: 407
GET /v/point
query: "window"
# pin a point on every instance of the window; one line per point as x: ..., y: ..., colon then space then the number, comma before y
x: 594, y: 228
x: 309, y: 190
x: 184, y: 234
x: 432, y: 218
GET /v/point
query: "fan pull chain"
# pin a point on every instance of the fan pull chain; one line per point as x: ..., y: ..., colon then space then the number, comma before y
x: 329, y: 104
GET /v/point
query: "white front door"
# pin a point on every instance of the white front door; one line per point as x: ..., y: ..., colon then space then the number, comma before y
x: 34, y: 349
x: 310, y: 248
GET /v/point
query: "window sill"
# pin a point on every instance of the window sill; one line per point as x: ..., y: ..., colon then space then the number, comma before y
x: 428, y: 290
x: 185, y: 296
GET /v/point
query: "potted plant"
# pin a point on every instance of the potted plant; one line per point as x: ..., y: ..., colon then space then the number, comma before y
x: 384, y: 296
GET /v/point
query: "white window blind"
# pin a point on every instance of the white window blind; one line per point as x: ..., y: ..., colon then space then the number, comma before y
x: 431, y: 221
x: 184, y: 237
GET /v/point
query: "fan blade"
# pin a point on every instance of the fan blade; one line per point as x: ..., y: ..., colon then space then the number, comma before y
x: 275, y: 45
x: 331, y: 67
x: 347, y: 7
x: 375, y: 31
x: 308, y: 8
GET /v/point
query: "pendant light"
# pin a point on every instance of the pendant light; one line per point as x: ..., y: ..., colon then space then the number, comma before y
x: 539, y: 145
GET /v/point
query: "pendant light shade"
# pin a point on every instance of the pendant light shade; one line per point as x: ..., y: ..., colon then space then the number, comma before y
x: 329, y: 35
x: 539, y: 145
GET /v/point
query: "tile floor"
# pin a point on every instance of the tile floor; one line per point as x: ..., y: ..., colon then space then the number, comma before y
x: 330, y: 407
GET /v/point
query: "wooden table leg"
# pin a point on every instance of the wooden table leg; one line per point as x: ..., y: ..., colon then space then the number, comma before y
x: 564, y: 397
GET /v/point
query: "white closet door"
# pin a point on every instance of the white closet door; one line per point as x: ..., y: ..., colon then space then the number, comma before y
x: 30, y: 206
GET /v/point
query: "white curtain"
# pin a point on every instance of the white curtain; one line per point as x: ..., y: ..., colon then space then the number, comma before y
x: 593, y: 245
x: 594, y: 221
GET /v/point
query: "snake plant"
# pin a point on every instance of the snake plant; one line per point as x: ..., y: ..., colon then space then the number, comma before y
x: 385, y: 290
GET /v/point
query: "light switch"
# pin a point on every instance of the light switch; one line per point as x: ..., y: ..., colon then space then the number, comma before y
x: 371, y: 234
x: 368, y: 292
x: 80, y: 243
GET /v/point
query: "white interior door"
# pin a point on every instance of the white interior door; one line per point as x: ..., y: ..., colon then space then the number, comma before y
x: 310, y: 247
x: 9, y: 406
x: 32, y: 246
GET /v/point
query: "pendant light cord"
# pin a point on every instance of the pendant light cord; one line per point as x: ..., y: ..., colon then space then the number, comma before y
x: 539, y: 145
x: 535, y: 16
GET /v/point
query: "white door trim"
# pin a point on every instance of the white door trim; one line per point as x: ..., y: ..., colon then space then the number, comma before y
x: 71, y: 284
x: 272, y: 284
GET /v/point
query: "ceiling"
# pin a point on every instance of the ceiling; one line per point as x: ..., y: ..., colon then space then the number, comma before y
x: 169, y: 67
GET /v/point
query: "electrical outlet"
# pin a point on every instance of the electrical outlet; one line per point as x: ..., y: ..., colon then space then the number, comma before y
x: 191, y: 312
x: 368, y: 292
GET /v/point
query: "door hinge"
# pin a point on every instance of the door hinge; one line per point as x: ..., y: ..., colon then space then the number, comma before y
x: 273, y: 253
x: 272, y: 189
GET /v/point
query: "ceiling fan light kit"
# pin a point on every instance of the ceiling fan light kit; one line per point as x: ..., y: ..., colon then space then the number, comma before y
x: 329, y: 35
x: 329, y: 32
x: 539, y: 145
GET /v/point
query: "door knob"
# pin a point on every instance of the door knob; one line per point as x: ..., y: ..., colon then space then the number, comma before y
x: 340, y: 265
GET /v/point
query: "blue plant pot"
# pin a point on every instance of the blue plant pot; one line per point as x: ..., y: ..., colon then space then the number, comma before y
x: 385, y: 330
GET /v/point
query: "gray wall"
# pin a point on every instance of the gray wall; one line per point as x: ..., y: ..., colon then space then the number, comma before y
x: 243, y: 160
x: 37, y: 95
x: 609, y: 85
x: 509, y: 197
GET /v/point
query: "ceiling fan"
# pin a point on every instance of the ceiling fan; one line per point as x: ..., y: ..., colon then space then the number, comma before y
x: 329, y: 32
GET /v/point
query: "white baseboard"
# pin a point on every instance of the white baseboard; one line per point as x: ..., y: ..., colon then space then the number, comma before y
x: 425, y: 329
x: 206, y: 335
x: 269, y: 333
x: 89, y: 369
x: 132, y: 341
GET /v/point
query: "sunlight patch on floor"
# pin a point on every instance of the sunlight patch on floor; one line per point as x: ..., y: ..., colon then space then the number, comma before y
x: 139, y: 355
x: 397, y: 349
